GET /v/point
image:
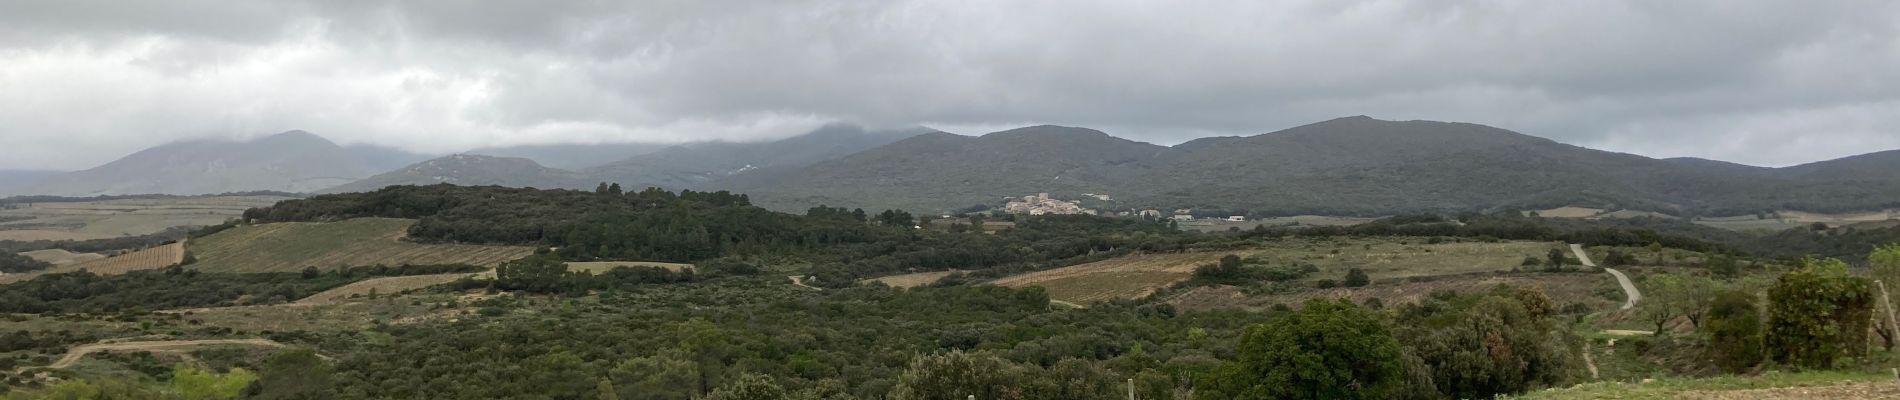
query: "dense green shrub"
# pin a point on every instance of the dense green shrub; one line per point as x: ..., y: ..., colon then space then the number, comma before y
x: 1483, y: 345
x: 1734, y: 331
x: 1356, y: 278
x: 1817, y: 314
x: 1327, y: 350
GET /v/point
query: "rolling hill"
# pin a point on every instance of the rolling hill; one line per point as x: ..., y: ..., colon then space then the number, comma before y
x: 942, y: 170
x: 572, y: 156
x: 734, y: 165
x: 470, y: 170
x: 294, y: 161
x: 1355, y: 165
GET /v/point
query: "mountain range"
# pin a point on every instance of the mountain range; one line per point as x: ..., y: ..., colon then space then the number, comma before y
x: 294, y: 161
x: 1347, y: 166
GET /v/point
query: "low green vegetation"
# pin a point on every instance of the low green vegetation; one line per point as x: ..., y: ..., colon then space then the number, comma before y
x: 11, y: 263
x: 1442, y: 307
x: 178, y: 287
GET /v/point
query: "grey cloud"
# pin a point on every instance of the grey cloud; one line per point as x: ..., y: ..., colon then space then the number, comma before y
x: 1762, y: 82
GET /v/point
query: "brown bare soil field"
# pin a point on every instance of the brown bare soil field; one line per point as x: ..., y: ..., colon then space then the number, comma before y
x: 292, y: 246
x: 1122, y: 277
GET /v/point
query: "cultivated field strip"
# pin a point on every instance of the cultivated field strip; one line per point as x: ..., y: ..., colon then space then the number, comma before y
x: 382, y: 286
x: 1117, y: 278
x: 152, y: 258
x: 62, y: 257
x: 292, y: 246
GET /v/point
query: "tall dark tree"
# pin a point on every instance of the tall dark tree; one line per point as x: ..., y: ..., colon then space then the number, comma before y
x: 1327, y: 350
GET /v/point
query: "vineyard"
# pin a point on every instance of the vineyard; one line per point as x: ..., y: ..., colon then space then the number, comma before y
x: 152, y: 258
x: 293, y: 246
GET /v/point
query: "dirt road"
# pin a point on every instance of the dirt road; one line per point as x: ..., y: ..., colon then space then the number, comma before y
x: 76, y: 353
x: 1630, y: 293
x: 800, y: 282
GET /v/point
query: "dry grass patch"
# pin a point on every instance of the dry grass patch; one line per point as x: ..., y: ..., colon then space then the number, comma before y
x: 61, y: 256
x: 292, y: 246
x: 382, y: 286
x: 911, y: 280
x: 1569, y: 212
x: 1395, y: 258
x: 345, y: 316
x: 151, y: 258
x: 1117, y: 278
x: 1563, y: 289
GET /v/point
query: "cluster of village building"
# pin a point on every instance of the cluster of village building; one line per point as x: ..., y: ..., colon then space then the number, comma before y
x: 1041, y: 204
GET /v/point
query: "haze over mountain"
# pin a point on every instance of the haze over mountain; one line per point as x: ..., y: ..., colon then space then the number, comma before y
x: 14, y: 179
x: 471, y: 170
x: 1355, y: 165
x: 572, y: 156
x: 734, y: 165
x: 294, y: 161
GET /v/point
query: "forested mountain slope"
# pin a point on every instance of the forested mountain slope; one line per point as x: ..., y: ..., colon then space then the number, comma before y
x: 1355, y: 165
x: 471, y: 170
x: 724, y: 165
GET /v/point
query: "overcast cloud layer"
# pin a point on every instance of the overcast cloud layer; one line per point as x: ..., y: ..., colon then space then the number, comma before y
x: 1758, y: 82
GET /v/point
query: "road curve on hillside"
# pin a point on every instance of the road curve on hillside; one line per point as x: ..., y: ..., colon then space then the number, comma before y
x: 73, y: 356
x: 1630, y: 293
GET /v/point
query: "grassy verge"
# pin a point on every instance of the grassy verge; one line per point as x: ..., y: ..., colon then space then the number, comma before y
x: 1672, y: 388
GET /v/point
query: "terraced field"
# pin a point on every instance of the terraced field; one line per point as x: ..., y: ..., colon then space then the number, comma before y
x: 292, y: 246
x: 1122, y: 277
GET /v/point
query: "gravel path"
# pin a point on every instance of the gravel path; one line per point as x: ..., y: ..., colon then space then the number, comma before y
x: 76, y: 353
x: 1629, y: 288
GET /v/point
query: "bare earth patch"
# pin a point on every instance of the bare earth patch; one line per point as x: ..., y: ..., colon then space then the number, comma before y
x: 152, y: 258
x: 1569, y: 212
x: 911, y: 280
x: 1845, y: 390
x: 1118, y: 278
x: 61, y: 257
x: 383, y: 286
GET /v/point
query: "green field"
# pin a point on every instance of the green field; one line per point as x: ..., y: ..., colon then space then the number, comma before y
x: 292, y: 246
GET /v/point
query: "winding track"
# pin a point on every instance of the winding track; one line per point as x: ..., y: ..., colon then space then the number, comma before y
x: 1629, y: 288
x: 76, y: 353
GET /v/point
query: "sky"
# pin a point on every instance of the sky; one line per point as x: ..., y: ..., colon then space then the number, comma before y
x: 1768, y: 83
